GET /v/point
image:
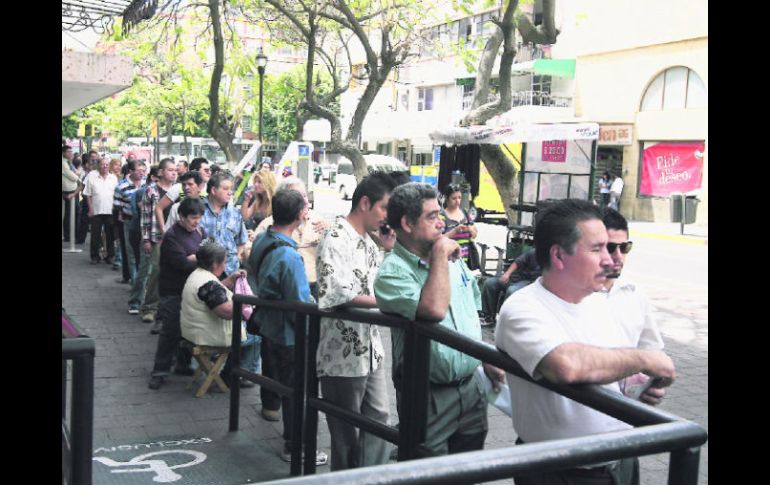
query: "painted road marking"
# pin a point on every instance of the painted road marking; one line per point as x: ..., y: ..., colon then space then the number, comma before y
x: 163, y: 472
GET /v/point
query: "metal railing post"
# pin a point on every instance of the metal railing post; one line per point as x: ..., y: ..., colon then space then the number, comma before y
x: 82, y: 417
x: 298, y: 394
x: 311, y: 412
x: 63, y: 389
x: 72, y: 248
x: 235, y: 356
x: 413, y: 407
x: 683, y: 467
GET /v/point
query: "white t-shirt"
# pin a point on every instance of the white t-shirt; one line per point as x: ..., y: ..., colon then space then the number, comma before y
x: 102, y: 191
x: 534, y: 321
x: 173, y: 217
x: 617, y: 185
x: 631, y: 307
x: 174, y: 192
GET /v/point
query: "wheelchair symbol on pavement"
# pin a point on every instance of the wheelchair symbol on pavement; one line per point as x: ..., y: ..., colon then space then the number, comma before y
x: 163, y: 472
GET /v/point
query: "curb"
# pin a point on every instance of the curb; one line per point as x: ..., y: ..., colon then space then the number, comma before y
x: 698, y: 240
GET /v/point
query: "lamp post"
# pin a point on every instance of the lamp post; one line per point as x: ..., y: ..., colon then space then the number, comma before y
x: 261, y: 63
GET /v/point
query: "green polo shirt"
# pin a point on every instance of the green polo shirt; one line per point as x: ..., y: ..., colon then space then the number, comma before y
x: 398, y: 286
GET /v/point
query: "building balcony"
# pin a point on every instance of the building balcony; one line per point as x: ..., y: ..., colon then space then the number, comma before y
x: 526, y: 98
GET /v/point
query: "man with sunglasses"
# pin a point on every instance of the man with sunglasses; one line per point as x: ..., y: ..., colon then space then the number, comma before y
x: 629, y: 305
x: 561, y: 330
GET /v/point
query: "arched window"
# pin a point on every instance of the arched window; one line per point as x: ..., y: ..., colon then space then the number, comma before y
x: 675, y: 88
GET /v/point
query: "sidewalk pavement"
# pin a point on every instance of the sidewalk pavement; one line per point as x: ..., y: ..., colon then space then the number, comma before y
x: 130, y: 419
x: 692, y: 233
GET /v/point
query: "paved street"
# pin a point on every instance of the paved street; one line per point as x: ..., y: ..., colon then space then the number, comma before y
x: 131, y: 419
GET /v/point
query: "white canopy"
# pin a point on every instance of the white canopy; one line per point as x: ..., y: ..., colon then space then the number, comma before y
x: 518, y: 132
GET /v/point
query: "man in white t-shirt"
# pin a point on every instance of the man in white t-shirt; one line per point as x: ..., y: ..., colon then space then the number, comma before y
x: 558, y: 331
x: 615, y: 190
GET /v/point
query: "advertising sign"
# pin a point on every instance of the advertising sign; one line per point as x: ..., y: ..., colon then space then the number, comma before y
x: 555, y: 151
x: 671, y: 167
x: 615, y: 135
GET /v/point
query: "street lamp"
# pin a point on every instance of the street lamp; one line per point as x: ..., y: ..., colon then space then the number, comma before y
x: 261, y: 63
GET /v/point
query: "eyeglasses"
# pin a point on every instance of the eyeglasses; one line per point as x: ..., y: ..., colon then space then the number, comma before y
x: 625, y: 247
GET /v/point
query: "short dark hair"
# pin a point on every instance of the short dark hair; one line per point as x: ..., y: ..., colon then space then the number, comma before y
x: 374, y: 187
x: 287, y: 206
x: 191, y: 207
x: 197, y: 162
x: 209, y: 254
x: 406, y: 200
x: 451, y: 189
x: 130, y: 166
x: 558, y: 224
x: 191, y: 174
x: 64, y: 148
x: 153, y: 173
x: 401, y: 177
x: 183, y: 162
x: 217, y: 178
x: 614, y: 220
x: 162, y: 164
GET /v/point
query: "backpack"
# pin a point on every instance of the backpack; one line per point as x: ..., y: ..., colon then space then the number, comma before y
x: 252, y: 325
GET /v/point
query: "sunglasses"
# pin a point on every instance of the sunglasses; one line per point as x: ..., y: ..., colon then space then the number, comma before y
x: 625, y: 247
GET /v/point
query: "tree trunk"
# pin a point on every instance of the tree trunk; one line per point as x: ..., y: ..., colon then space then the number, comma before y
x: 504, y: 174
x: 219, y: 128
x: 169, y: 131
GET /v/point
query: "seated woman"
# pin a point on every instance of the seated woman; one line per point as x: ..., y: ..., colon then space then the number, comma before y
x: 458, y: 225
x: 257, y: 200
x: 207, y: 308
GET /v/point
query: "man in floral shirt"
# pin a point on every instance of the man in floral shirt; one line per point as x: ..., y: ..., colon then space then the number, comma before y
x: 349, y: 360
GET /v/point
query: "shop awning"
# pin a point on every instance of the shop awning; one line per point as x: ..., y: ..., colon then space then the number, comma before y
x: 519, y: 132
x: 555, y: 67
x: 547, y: 67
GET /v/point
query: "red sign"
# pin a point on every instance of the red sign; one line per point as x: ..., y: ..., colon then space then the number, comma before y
x: 555, y: 150
x: 671, y: 167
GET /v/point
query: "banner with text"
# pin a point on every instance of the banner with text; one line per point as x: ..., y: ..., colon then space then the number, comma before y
x: 671, y: 167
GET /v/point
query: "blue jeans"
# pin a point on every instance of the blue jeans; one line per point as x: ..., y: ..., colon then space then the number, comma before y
x: 136, y: 297
x: 168, y: 349
x: 132, y: 262
x: 251, y: 359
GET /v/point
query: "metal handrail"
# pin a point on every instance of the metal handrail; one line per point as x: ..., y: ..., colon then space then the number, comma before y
x: 77, y: 441
x: 658, y: 430
x: 494, y: 464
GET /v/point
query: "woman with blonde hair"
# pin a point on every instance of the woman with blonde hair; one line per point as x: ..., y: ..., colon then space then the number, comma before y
x: 115, y: 167
x: 258, y: 199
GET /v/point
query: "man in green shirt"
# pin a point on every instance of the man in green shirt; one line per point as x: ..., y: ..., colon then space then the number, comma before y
x: 425, y: 278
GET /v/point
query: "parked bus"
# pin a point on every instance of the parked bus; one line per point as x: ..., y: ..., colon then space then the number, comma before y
x: 196, y: 147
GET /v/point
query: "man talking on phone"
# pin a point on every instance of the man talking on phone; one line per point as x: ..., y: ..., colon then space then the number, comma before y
x: 424, y: 278
x: 561, y: 329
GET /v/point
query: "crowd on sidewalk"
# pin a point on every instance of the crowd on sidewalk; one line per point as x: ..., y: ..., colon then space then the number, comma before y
x: 182, y: 244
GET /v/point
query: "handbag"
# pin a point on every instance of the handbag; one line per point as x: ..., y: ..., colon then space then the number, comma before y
x: 242, y: 288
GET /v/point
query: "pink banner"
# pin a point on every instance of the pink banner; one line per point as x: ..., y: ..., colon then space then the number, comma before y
x: 671, y: 167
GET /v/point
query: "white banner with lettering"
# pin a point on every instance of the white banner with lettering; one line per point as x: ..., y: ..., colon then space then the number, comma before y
x: 516, y: 133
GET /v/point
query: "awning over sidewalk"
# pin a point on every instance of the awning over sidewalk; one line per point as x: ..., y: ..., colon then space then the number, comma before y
x: 520, y: 132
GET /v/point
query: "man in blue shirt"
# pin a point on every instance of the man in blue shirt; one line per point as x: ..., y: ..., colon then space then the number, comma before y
x: 223, y: 222
x: 276, y: 272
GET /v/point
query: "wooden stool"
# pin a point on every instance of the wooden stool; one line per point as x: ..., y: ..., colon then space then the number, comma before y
x: 202, y: 354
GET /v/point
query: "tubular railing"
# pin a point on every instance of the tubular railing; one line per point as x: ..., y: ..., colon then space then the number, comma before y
x: 656, y: 430
x: 77, y: 440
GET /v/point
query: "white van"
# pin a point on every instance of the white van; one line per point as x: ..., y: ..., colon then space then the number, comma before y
x: 346, y: 183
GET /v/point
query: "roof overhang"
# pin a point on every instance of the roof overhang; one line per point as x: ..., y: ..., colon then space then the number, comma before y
x: 86, y: 78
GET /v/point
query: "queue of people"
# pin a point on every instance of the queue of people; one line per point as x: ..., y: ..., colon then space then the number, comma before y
x: 399, y: 251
